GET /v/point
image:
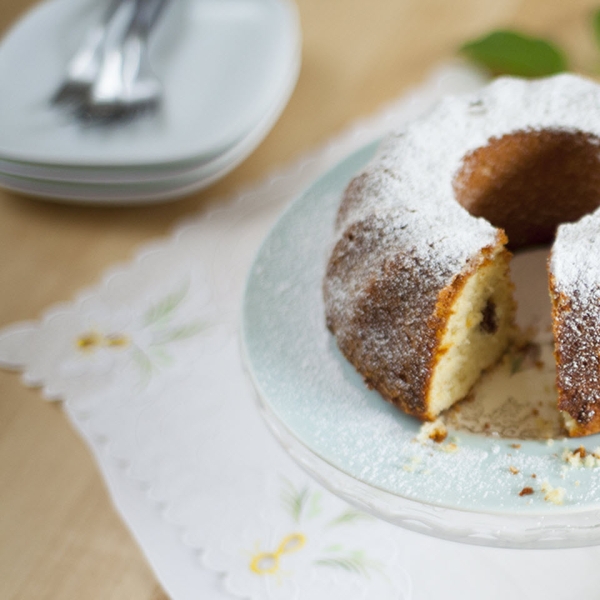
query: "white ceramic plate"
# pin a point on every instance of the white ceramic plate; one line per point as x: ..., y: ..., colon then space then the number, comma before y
x: 221, y: 62
x: 138, y: 187
x: 363, y: 448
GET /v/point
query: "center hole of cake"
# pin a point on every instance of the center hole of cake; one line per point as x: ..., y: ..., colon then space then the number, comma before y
x: 528, y: 182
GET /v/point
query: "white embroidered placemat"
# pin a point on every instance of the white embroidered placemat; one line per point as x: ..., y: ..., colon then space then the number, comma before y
x: 147, y: 364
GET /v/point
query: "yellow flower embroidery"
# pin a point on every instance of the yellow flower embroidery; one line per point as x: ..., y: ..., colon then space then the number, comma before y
x: 267, y: 563
x: 92, y: 340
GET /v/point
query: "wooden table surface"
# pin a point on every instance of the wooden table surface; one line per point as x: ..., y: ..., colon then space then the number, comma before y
x: 59, y: 534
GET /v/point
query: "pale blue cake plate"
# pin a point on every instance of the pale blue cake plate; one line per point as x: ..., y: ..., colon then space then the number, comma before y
x: 364, y: 449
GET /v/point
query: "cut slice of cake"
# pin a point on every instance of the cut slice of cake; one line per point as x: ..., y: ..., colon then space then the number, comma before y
x: 478, y: 311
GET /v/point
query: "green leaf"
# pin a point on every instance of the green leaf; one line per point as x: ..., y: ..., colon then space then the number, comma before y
x: 596, y: 25
x: 512, y: 53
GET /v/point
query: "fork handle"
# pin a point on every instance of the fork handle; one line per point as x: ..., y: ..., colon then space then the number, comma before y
x: 145, y: 16
x: 111, y: 10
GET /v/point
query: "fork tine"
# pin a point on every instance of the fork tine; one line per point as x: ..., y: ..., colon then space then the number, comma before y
x: 83, y: 66
x: 126, y: 82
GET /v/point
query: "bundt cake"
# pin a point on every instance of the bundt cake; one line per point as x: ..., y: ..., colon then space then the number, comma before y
x: 417, y: 289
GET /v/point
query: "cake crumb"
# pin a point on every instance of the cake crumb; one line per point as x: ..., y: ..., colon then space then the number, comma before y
x: 451, y: 447
x: 515, y: 446
x: 513, y: 470
x: 435, y: 431
x: 556, y: 495
x: 580, y: 457
x: 572, y: 457
x: 526, y: 491
x: 411, y: 467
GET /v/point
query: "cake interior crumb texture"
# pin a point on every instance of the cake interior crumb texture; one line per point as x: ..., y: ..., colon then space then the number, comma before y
x: 478, y: 331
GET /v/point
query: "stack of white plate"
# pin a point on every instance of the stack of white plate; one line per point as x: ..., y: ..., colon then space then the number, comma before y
x: 228, y: 68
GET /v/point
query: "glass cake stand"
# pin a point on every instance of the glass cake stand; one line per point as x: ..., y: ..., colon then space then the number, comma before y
x: 474, y: 487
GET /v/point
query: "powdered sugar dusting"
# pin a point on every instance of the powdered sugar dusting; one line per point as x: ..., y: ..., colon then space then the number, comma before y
x: 383, y: 219
x: 437, y: 143
x: 412, y: 174
x: 426, y: 157
x: 575, y: 258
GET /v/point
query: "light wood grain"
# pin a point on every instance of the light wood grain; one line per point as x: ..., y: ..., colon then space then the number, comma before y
x: 59, y: 535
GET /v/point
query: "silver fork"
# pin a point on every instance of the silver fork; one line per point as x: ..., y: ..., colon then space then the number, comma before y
x: 126, y: 83
x: 84, y: 66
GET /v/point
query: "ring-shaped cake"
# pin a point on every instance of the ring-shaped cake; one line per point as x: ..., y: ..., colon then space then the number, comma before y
x: 417, y: 290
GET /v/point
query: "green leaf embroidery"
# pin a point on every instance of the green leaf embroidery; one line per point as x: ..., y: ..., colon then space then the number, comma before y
x: 143, y: 361
x: 354, y: 562
x: 179, y: 333
x: 314, y: 508
x: 505, y: 52
x: 160, y: 356
x: 163, y: 311
x: 294, y: 500
x: 349, y: 516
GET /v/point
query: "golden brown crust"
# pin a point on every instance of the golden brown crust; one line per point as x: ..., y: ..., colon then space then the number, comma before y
x: 385, y: 316
x: 581, y: 429
x: 576, y: 351
x: 392, y: 331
